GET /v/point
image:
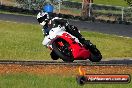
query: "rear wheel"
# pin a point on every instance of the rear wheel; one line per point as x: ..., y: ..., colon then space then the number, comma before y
x: 61, y: 48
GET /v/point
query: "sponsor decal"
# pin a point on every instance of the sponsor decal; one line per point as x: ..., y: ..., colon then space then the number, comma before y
x: 84, y: 78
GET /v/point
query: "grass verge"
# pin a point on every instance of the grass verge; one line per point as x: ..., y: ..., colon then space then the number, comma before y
x: 107, y: 2
x: 48, y: 81
x: 19, y: 41
x: 15, y: 13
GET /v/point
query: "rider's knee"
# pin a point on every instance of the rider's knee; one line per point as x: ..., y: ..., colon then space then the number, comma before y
x: 46, y: 40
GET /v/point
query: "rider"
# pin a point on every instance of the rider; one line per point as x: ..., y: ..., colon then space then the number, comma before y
x: 47, y: 19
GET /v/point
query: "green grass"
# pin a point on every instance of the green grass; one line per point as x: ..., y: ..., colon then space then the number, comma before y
x: 107, y: 2
x: 15, y: 13
x: 112, y: 2
x: 48, y: 81
x: 19, y: 41
x: 110, y: 45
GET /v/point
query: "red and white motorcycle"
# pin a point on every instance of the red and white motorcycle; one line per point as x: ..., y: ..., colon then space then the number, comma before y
x: 68, y: 48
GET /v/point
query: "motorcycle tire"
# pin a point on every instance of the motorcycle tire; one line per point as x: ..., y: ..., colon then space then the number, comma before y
x: 54, y: 56
x: 60, y: 50
x: 95, y: 56
x: 95, y: 53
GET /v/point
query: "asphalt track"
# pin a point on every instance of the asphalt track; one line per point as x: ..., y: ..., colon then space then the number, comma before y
x: 115, y: 29
x: 125, y: 62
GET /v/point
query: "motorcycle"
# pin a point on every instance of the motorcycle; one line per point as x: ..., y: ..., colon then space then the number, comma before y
x: 68, y: 48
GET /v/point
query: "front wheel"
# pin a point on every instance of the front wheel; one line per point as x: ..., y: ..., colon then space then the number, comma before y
x: 95, y: 53
x: 61, y: 48
x: 54, y: 56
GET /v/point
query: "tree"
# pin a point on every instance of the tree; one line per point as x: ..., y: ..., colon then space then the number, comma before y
x: 129, y: 2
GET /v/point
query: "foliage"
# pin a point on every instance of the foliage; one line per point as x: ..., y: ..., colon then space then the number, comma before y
x: 129, y: 2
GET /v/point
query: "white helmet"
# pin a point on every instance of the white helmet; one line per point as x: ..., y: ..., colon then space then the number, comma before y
x: 42, y: 17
